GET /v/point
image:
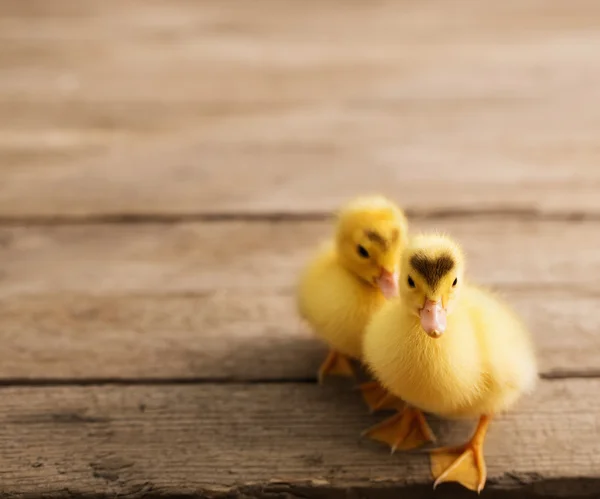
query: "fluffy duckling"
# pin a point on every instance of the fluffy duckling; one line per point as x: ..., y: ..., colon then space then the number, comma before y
x: 449, y: 348
x: 350, y: 277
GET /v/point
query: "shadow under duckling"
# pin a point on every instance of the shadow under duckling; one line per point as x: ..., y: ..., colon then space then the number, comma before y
x: 351, y: 277
x: 448, y: 348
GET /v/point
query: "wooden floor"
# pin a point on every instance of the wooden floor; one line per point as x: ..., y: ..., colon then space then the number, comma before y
x: 166, y: 167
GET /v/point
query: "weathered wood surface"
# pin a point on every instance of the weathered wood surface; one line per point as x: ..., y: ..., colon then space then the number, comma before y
x: 216, y: 300
x: 199, y: 376
x: 221, y: 439
x: 174, y: 108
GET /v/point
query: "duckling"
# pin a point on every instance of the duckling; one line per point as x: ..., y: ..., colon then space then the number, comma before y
x: 349, y: 278
x: 449, y: 348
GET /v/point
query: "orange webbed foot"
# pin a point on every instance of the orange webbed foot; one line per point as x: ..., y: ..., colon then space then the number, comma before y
x: 464, y: 463
x: 335, y: 364
x: 378, y: 398
x: 406, y: 430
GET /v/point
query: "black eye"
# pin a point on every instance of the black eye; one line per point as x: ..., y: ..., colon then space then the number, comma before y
x: 362, y: 251
x: 411, y: 283
x: 455, y: 282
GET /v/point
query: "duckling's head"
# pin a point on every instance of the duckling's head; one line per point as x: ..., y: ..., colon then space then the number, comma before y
x: 432, y: 274
x: 371, y: 234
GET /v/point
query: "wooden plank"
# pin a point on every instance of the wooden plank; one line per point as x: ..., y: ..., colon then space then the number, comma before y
x: 257, y: 440
x: 215, y: 300
x: 162, y: 107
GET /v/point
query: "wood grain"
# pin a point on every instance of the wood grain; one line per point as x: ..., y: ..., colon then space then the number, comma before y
x: 166, y: 359
x: 163, y: 107
x: 253, y: 440
x: 215, y: 300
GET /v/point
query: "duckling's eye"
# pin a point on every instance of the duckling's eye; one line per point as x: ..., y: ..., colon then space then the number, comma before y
x: 411, y: 283
x: 362, y: 251
x: 455, y: 281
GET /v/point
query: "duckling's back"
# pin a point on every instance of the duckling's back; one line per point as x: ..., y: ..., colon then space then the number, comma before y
x: 508, y: 361
x: 336, y: 303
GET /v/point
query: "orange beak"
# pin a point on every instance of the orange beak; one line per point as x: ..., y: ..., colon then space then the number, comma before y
x: 388, y: 283
x: 433, y: 318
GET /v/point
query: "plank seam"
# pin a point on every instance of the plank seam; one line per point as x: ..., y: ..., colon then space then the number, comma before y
x: 288, y: 217
x: 555, y: 375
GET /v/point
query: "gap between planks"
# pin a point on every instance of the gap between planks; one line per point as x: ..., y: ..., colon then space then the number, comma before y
x: 525, y: 214
x: 559, y: 375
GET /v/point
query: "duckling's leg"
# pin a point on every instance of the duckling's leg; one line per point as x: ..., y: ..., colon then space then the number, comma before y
x: 405, y: 430
x: 335, y: 364
x: 463, y: 464
x: 378, y: 398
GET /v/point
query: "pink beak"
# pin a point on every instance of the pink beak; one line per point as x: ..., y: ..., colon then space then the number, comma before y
x: 433, y: 318
x: 388, y: 283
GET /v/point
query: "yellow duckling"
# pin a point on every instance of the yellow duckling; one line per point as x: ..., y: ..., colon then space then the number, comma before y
x: 351, y: 276
x: 448, y: 348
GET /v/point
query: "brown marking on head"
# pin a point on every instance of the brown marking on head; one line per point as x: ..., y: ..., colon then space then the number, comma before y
x: 432, y: 270
x: 377, y: 238
x: 394, y: 235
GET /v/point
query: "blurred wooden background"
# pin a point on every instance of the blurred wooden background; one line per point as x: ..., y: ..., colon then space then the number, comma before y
x: 166, y: 167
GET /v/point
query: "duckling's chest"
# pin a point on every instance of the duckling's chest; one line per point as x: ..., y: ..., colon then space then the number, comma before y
x: 440, y: 376
x: 338, y: 308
